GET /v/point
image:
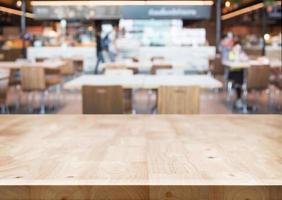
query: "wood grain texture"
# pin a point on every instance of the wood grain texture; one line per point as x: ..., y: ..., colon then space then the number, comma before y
x: 179, y: 100
x: 68, y: 69
x: 141, y: 157
x: 257, y: 77
x: 33, y: 79
x: 102, y: 100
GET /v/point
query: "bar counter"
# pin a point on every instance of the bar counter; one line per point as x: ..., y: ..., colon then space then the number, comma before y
x: 161, y: 157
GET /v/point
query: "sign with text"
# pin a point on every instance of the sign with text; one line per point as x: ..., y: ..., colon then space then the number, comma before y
x: 122, y: 12
x: 166, y: 12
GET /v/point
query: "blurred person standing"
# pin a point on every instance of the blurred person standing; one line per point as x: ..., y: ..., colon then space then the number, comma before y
x: 113, y: 51
x: 99, y: 49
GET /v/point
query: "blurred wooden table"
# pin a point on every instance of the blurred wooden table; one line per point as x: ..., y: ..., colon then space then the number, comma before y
x: 144, y: 81
x: 18, y: 65
x: 98, y: 157
x: 146, y: 66
x: 246, y: 64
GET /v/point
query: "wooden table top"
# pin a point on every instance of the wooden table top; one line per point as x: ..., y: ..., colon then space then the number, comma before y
x: 18, y: 65
x: 247, y: 64
x: 141, y: 150
x: 144, y: 81
x: 146, y: 66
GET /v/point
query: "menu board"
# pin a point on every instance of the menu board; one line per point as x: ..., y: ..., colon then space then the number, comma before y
x: 122, y: 12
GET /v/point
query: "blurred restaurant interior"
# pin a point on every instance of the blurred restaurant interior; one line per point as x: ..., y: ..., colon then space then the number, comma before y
x: 226, y: 54
x: 140, y: 100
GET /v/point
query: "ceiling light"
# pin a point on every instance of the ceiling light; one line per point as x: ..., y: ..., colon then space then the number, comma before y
x: 19, y: 3
x: 118, y: 3
x: 227, y: 4
x: 266, y: 37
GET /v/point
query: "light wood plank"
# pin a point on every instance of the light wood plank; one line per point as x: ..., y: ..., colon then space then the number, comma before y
x: 141, y: 157
x: 102, y: 100
x: 179, y: 100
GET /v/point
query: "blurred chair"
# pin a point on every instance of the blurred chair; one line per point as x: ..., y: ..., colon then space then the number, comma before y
x: 135, y: 59
x: 14, y: 84
x: 132, y: 59
x: 4, y: 87
x: 178, y: 100
x: 40, y: 59
x: 78, y: 65
x: 278, y: 85
x: 119, y: 72
x: 256, y: 79
x: 216, y: 68
x: 157, y: 58
x: 178, y: 72
x: 134, y: 69
x: 35, y: 79
x: 15, y: 78
x: 68, y: 70
x: 102, y: 100
x: 157, y: 67
x: 253, y: 53
x: 127, y: 93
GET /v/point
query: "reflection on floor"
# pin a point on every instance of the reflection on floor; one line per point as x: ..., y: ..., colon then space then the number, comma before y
x: 212, y: 102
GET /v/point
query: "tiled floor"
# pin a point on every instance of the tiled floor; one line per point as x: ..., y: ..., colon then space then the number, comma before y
x: 212, y: 102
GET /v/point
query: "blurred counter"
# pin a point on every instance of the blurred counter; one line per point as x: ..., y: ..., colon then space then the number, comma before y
x: 87, y: 53
x: 191, y: 57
